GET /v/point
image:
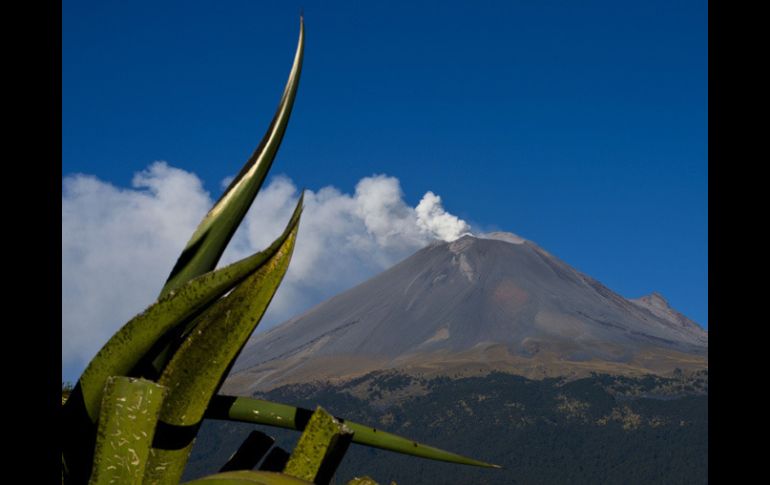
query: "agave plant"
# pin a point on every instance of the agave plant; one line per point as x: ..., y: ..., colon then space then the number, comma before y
x: 133, y: 415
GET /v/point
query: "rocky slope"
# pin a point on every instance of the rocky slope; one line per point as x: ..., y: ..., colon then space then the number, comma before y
x: 475, y: 305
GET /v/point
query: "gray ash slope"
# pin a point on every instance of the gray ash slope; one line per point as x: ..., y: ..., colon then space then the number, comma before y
x: 493, y: 303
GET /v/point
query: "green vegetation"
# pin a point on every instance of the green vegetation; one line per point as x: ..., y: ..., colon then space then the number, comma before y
x: 552, y: 431
x: 135, y: 412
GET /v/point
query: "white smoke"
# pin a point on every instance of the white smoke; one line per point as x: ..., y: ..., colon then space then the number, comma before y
x: 119, y: 244
x: 433, y: 219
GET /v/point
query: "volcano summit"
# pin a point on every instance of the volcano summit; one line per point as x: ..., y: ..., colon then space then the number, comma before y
x: 496, y: 302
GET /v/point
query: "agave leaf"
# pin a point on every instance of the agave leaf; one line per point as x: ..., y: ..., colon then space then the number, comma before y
x: 248, y: 477
x: 199, y: 366
x: 126, y: 429
x: 276, y: 460
x: 137, y: 337
x: 132, y: 342
x: 249, y: 454
x: 258, y: 411
x: 161, y: 359
x: 215, y: 230
x: 320, y: 449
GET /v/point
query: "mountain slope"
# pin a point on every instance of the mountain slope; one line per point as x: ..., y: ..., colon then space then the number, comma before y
x: 598, y: 429
x: 472, y: 306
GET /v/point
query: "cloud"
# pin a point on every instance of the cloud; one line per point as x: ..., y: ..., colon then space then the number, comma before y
x: 119, y: 244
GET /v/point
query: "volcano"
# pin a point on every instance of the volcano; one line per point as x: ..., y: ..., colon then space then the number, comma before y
x: 495, y: 302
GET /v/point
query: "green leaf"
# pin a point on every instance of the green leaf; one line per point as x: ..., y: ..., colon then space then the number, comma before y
x: 126, y: 428
x: 247, y: 477
x: 320, y: 449
x: 258, y: 411
x: 137, y: 338
x: 215, y: 230
x: 199, y: 366
x: 132, y: 342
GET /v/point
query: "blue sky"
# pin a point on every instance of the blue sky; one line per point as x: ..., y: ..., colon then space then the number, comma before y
x: 579, y: 125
